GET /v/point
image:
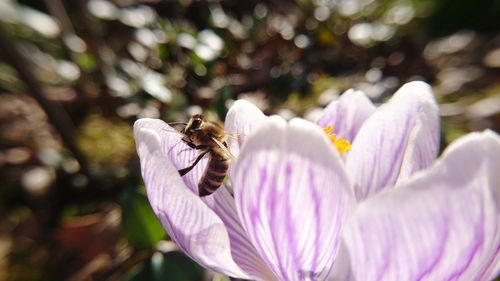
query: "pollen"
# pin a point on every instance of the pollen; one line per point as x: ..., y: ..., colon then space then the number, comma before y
x: 341, y: 144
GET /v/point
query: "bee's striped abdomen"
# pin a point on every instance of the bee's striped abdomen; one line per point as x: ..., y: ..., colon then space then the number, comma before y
x: 214, y: 175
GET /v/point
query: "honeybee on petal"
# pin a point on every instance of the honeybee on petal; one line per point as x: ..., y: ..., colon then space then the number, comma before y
x: 208, y: 137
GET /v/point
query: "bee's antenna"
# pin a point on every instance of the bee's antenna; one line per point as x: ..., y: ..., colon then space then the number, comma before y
x: 177, y: 123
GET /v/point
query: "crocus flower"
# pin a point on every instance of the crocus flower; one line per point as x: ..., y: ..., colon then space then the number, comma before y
x: 384, y: 210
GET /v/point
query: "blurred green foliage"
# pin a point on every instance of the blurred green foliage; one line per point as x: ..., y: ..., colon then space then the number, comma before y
x: 140, y: 226
x: 171, y: 266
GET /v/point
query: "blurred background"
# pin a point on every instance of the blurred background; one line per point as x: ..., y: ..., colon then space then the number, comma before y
x: 75, y: 75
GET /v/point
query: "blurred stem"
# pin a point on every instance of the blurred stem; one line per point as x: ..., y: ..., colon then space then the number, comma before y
x: 56, y: 8
x: 121, y: 269
x: 55, y: 113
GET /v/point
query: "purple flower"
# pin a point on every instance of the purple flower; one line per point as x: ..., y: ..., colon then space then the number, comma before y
x: 385, y: 210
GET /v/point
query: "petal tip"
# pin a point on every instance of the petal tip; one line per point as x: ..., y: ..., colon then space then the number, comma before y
x: 486, y: 138
x: 353, y: 93
x: 490, y: 134
x: 416, y: 87
x: 278, y: 121
x: 141, y: 121
x: 147, y: 122
x: 422, y: 89
x: 299, y: 122
x: 244, y: 105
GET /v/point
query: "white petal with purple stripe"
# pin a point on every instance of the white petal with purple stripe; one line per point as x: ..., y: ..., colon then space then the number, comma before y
x: 347, y: 114
x: 442, y: 224
x: 208, y: 229
x: 400, y: 137
x: 244, y: 253
x: 293, y: 195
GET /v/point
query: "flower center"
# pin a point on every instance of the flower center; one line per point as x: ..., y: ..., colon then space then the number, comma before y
x: 341, y: 144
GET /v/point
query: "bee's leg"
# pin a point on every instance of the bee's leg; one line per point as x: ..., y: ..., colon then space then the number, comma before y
x: 192, y: 145
x: 188, y: 142
x: 184, y: 171
x: 201, y: 146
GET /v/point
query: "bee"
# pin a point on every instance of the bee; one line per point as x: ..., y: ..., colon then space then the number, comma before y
x: 210, y: 138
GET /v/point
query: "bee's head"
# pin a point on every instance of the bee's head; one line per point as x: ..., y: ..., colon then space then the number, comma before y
x: 194, y: 124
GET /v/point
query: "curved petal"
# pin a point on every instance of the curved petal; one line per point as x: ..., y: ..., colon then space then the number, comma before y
x: 347, y: 114
x: 243, y: 252
x: 293, y: 195
x: 196, y: 229
x: 400, y: 138
x: 442, y: 224
x: 241, y: 120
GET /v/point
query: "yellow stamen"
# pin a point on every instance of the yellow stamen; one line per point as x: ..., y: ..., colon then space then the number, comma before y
x: 328, y: 129
x: 341, y: 144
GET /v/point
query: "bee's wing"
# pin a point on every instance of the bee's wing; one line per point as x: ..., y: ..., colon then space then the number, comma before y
x: 177, y: 123
x: 233, y: 136
x: 224, y: 148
